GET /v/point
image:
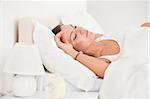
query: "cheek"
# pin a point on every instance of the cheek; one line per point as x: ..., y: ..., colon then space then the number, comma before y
x: 85, y: 41
x: 80, y: 46
x: 77, y: 47
x: 82, y: 43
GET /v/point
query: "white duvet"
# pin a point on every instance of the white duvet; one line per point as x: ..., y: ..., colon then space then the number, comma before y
x: 127, y: 78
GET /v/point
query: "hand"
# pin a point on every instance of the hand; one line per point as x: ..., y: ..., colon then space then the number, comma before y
x: 66, y: 47
x: 146, y: 24
x: 61, y: 44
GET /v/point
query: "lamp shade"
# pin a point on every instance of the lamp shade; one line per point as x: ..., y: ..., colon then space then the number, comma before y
x: 24, y: 59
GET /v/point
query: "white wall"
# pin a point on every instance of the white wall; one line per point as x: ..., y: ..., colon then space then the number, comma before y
x: 148, y: 10
x: 149, y: 51
x: 1, y: 43
x: 118, y: 16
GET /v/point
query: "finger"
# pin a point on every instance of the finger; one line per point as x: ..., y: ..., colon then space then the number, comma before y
x: 57, y: 39
x: 146, y: 24
x: 59, y: 34
x: 59, y: 44
x: 142, y: 25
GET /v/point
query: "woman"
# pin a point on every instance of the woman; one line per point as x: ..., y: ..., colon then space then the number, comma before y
x: 95, y: 51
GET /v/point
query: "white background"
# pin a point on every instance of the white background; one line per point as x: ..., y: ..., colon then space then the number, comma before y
x: 113, y: 16
x: 118, y: 16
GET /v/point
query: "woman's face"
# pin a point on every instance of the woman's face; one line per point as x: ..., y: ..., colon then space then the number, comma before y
x: 79, y: 37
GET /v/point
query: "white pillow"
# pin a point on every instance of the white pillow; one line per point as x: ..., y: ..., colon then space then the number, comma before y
x: 49, y: 21
x: 55, y: 60
x: 83, y: 19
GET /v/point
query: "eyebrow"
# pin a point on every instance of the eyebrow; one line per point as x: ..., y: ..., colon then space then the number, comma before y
x: 74, y: 26
x: 71, y: 25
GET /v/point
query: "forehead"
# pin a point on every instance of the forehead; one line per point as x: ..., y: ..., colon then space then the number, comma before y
x: 67, y: 31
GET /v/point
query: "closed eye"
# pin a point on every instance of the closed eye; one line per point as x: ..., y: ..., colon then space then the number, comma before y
x: 71, y: 25
x: 75, y: 37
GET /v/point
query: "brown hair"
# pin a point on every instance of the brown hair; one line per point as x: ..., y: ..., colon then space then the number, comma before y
x: 56, y: 29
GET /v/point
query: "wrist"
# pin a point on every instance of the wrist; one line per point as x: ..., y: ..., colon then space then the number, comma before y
x: 78, y: 55
x: 73, y: 53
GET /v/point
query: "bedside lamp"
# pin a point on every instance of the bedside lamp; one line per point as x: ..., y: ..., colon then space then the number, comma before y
x: 25, y: 62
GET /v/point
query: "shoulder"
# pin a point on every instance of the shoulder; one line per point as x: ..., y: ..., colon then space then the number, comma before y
x: 98, y: 36
x: 109, y: 47
x: 109, y: 43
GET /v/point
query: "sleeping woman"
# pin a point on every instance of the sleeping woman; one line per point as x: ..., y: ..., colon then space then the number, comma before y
x: 95, y: 51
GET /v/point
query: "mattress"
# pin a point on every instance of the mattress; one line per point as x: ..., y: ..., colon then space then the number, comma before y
x: 73, y: 92
x: 81, y: 95
x: 74, y: 95
x: 71, y: 95
x: 72, y: 88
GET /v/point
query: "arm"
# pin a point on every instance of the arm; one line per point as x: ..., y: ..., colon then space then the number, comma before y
x: 146, y: 24
x: 96, y: 65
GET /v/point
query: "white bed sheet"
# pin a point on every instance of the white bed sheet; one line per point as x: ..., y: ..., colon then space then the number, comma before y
x: 72, y: 88
x: 81, y: 95
x: 127, y: 77
x: 73, y: 92
x: 71, y: 95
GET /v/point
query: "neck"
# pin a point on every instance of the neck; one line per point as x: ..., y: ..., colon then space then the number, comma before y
x: 94, y: 48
